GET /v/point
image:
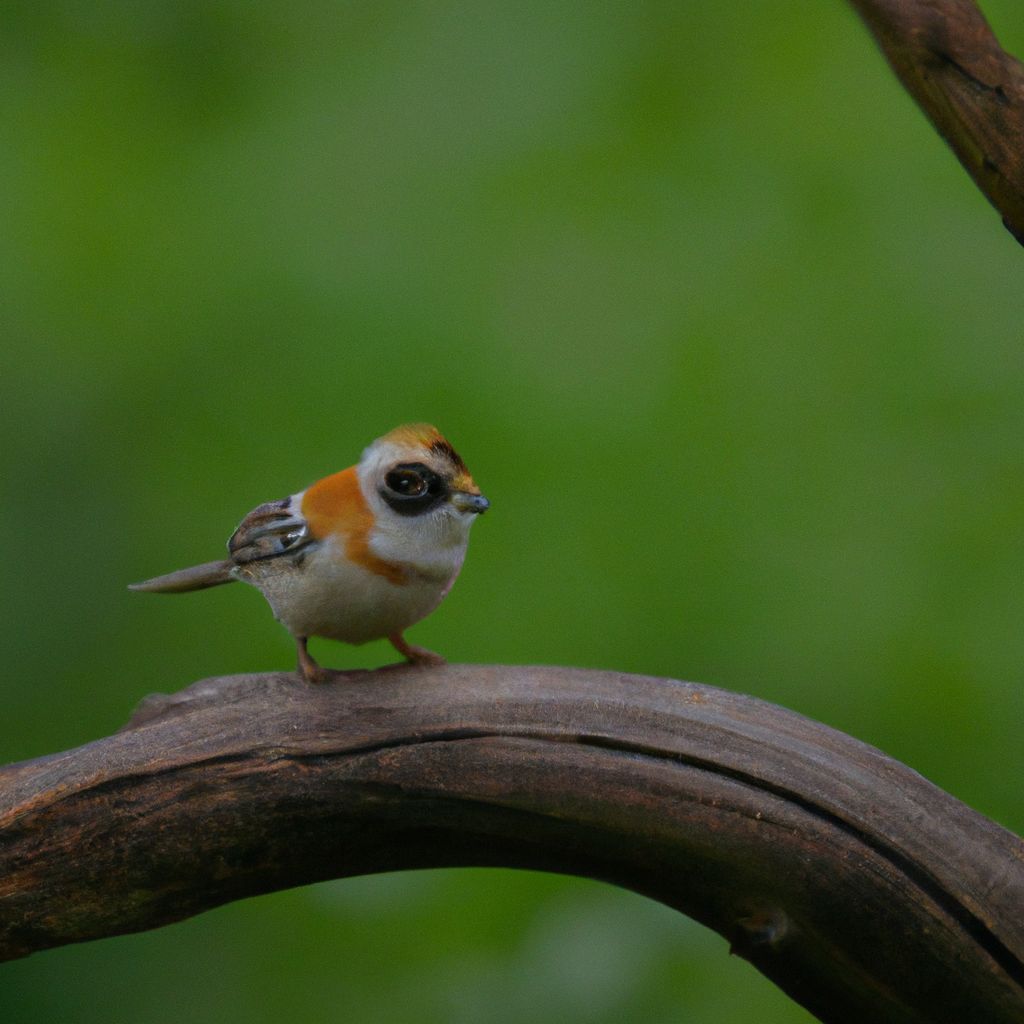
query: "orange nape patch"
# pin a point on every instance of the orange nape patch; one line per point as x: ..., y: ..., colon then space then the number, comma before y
x: 414, y: 435
x: 336, y: 506
x: 423, y: 435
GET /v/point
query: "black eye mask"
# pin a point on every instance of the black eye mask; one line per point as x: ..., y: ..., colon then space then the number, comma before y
x: 411, y: 488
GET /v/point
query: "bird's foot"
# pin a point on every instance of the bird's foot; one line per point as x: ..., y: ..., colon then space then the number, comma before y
x: 413, y: 654
x: 309, y: 669
x: 319, y: 675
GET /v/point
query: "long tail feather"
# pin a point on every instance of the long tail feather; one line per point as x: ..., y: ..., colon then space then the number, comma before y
x: 198, y: 577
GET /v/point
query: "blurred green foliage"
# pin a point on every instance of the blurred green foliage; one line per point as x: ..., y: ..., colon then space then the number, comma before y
x: 724, y: 332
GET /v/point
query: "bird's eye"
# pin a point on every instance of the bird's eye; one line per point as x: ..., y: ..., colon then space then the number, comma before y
x: 413, y: 488
x: 406, y: 482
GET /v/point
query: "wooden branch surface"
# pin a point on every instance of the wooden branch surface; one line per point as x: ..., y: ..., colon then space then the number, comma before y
x: 865, y: 892
x: 949, y: 60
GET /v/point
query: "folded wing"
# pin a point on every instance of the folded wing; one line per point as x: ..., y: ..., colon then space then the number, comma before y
x: 272, y: 530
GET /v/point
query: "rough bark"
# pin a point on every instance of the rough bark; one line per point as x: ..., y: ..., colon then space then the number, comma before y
x: 861, y: 889
x: 949, y: 60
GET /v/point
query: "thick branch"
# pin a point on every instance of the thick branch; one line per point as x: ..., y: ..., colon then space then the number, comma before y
x: 861, y: 889
x: 947, y: 57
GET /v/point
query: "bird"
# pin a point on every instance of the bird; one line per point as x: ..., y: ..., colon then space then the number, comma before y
x: 360, y: 555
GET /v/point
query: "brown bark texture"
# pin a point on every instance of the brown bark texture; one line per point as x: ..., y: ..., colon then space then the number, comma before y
x: 861, y: 889
x: 949, y: 60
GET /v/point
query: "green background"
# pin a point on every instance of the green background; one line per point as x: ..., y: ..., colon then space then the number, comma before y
x: 720, y: 326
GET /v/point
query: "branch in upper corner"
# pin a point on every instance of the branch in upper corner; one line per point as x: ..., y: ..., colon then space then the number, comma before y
x: 949, y: 60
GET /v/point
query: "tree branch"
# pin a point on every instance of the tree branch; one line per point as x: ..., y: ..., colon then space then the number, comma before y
x: 947, y: 57
x: 858, y: 887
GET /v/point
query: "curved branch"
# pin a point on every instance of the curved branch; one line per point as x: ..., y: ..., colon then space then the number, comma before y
x: 858, y: 887
x: 949, y: 60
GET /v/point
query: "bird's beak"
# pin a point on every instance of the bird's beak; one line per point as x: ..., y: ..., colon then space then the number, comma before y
x: 466, y: 502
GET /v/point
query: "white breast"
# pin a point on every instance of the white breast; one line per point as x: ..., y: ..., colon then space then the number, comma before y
x: 328, y: 595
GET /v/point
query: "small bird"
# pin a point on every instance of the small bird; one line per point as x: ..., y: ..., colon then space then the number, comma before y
x: 359, y: 555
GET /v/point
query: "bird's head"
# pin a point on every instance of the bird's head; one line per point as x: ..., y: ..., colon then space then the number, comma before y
x: 413, y: 475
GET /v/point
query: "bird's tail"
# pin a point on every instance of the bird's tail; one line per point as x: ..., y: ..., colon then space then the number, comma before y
x: 198, y: 577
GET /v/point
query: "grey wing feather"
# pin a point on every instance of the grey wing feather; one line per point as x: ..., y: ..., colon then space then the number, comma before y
x: 196, y: 577
x: 269, y: 531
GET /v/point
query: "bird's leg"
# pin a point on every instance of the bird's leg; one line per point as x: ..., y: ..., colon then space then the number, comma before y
x: 415, y: 655
x: 312, y: 672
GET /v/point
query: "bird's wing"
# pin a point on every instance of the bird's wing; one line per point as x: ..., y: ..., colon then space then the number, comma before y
x: 272, y: 530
